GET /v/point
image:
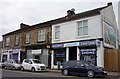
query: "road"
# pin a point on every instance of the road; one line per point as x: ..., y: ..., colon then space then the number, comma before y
x: 16, y: 74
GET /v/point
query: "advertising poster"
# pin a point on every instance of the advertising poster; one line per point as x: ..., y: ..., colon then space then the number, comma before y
x: 109, y: 35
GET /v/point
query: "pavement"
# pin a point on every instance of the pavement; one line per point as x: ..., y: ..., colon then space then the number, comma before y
x: 109, y: 73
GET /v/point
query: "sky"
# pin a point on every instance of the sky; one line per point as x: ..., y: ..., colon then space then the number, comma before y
x: 31, y: 12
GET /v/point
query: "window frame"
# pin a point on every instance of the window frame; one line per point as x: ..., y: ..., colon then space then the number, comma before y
x: 82, y: 28
x: 17, y: 37
x: 27, y: 38
x: 41, y: 35
x: 7, y: 41
x: 57, y: 32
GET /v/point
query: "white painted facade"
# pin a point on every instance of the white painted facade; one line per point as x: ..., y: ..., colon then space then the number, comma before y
x: 69, y: 30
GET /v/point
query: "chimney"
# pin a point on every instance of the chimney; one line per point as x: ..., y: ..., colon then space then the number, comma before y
x: 110, y: 3
x: 22, y: 26
x: 71, y: 12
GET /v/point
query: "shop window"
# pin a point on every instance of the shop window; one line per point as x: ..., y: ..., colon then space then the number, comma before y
x: 89, y: 56
x: 82, y: 28
x: 59, y: 56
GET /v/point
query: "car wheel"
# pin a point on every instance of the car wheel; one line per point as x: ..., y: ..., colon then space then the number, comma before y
x: 13, y: 68
x: 5, y: 67
x: 90, y: 73
x: 33, y: 69
x: 65, y: 72
x: 22, y: 69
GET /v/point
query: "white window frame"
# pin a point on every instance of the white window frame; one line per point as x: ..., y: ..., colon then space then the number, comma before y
x: 81, y: 27
x: 7, y: 41
x: 27, y: 38
x: 57, y: 32
x: 41, y: 35
x: 17, y: 39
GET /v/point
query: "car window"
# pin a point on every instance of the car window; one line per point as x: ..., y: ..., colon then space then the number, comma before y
x: 78, y: 63
x: 16, y: 61
x: 10, y: 61
x: 36, y: 61
x: 72, y: 63
x: 87, y: 64
x: 26, y: 61
x: 29, y: 61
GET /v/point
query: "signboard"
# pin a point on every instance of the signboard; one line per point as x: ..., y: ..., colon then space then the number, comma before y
x: 88, y: 51
x: 36, y: 52
x: 71, y: 44
x: 60, y: 55
x: 86, y: 43
x: 57, y: 45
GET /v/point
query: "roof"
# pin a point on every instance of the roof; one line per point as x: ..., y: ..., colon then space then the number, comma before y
x: 66, y: 18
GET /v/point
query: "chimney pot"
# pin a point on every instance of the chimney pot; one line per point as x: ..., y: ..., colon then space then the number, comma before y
x: 110, y: 3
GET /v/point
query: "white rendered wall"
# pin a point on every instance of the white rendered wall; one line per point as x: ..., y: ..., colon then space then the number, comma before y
x: 68, y: 30
x: 100, y: 55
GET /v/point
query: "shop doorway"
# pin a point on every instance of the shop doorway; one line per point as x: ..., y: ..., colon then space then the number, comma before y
x: 4, y: 58
x: 49, y: 60
x: 37, y: 57
x: 72, y: 53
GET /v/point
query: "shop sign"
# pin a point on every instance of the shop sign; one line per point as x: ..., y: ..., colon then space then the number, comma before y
x: 57, y: 45
x: 86, y: 43
x: 60, y: 55
x: 88, y: 51
x: 71, y: 44
x: 36, y: 52
x: 98, y: 43
x: 16, y: 50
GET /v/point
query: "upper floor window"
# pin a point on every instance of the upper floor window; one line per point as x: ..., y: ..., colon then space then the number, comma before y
x: 27, y: 40
x: 83, y: 28
x: 41, y: 35
x: 16, y: 39
x: 7, y: 41
x: 57, y: 32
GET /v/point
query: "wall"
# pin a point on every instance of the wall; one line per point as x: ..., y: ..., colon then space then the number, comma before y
x: 68, y: 30
x: 108, y: 16
x: 111, y: 59
x: 100, y: 55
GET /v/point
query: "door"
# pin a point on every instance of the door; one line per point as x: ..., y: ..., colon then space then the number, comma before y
x: 72, y: 67
x: 29, y: 65
x: 81, y: 69
x: 25, y: 64
x: 72, y: 53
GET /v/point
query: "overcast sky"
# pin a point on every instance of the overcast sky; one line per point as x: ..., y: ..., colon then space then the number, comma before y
x: 14, y: 12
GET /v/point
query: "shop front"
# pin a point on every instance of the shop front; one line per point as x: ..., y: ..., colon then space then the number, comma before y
x: 88, y: 51
x: 10, y: 54
x: 40, y: 54
x: 58, y: 56
x: 88, y: 55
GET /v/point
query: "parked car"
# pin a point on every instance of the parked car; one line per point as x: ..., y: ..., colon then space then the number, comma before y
x: 82, y: 68
x: 12, y: 64
x: 33, y: 65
